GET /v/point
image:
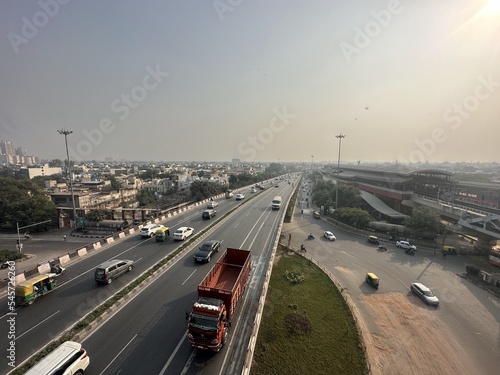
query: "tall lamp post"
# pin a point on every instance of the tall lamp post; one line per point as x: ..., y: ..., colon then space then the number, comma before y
x: 66, y: 133
x: 340, y: 137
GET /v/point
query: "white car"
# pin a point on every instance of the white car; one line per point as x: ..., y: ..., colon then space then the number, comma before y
x: 239, y: 197
x: 212, y: 204
x: 424, y: 293
x: 329, y: 235
x: 182, y: 233
x: 254, y: 190
x: 150, y: 230
x: 406, y: 245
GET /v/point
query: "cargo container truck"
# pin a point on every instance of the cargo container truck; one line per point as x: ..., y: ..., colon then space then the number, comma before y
x: 218, y: 296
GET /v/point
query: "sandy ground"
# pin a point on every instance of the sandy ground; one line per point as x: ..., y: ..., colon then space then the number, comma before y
x: 411, y: 340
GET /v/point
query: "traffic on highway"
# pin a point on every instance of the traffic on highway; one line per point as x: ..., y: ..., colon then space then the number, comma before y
x: 151, y: 324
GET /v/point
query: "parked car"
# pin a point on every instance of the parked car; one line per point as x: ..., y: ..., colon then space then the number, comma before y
x: 206, y: 250
x: 239, y: 197
x: 424, y: 293
x: 329, y: 236
x: 182, y: 233
x: 150, y: 230
x: 406, y: 245
x: 106, y: 272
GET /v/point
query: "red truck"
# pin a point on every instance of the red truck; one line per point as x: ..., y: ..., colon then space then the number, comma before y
x: 218, y: 295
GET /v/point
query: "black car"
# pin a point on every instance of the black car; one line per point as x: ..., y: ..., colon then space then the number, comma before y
x: 206, y: 250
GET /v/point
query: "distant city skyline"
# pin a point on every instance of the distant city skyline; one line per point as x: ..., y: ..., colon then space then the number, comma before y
x: 405, y: 81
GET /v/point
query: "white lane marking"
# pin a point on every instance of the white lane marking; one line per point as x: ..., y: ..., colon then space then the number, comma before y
x: 36, y: 325
x: 120, y: 352
x: 192, y: 273
x: 182, y: 341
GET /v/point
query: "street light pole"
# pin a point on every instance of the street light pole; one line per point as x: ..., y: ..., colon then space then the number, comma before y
x: 340, y: 137
x: 66, y: 133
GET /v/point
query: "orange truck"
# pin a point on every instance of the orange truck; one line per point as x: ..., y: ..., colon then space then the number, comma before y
x: 218, y: 296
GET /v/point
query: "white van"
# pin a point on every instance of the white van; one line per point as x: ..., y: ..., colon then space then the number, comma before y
x: 276, y: 203
x: 67, y: 359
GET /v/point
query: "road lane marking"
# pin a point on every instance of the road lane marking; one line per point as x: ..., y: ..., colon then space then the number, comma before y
x: 170, y: 359
x: 36, y: 325
x: 192, y: 273
x: 120, y: 352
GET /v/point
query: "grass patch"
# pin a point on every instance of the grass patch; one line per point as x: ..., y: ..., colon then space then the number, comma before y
x: 306, y: 327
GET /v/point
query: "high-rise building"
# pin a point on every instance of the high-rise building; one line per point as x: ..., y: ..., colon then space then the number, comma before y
x: 7, y: 148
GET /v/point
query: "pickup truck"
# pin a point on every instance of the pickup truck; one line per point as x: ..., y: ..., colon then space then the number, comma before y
x: 406, y: 245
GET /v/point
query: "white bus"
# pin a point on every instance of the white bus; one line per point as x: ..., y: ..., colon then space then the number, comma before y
x: 276, y: 203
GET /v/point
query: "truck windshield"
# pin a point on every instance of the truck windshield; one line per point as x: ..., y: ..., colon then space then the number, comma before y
x: 207, y: 323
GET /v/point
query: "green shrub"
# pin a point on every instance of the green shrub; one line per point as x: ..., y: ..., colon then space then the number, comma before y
x: 472, y: 270
x: 6, y: 255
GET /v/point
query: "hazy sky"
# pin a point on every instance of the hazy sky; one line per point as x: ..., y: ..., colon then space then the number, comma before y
x: 270, y: 80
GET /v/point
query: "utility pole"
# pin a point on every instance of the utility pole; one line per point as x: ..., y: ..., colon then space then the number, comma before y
x: 66, y: 133
x: 340, y: 137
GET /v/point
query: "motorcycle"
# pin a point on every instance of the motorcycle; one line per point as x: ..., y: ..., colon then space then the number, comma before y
x: 303, y: 248
x: 310, y: 237
x: 382, y: 248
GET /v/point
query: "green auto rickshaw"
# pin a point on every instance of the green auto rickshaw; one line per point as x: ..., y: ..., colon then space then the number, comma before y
x: 162, y: 234
x: 28, y: 291
x: 372, y: 279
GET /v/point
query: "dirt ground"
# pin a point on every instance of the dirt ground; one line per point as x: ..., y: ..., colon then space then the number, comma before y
x: 406, y: 341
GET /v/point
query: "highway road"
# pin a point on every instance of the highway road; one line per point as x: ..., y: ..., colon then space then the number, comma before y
x: 148, y: 335
x: 78, y: 294
x: 461, y: 336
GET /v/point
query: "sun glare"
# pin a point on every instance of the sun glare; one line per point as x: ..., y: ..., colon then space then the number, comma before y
x: 493, y: 7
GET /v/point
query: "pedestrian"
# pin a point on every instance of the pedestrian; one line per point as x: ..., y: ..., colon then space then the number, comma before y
x: 289, y: 236
x: 65, y: 238
x: 444, y: 254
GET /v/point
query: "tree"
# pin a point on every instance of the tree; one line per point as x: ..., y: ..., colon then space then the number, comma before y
x: 145, y: 197
x: 349, y: 196
x: 423, y: 219
x: 99, y: 215
x: 325, y: 193
x: 204, y: 189
x: 24, y: 203
x: 115, y: 184
x: 355, y: 217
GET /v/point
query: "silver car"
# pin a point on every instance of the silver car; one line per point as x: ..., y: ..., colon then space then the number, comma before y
x: 425, y: 294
